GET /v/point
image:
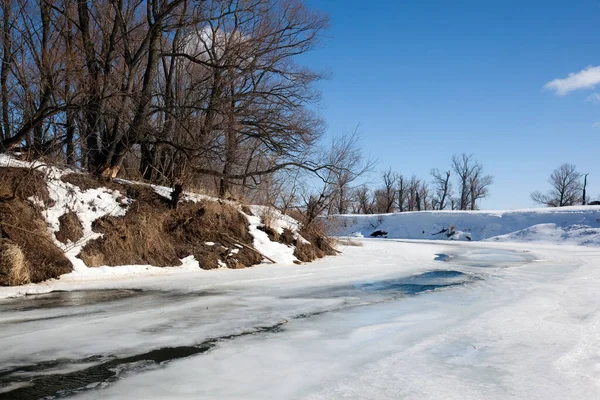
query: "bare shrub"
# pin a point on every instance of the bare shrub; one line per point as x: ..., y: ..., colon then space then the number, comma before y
x: 348, y: 242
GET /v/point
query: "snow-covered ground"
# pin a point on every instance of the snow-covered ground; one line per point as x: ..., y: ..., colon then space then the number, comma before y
x: 507, y: 320
x: 567, y: 225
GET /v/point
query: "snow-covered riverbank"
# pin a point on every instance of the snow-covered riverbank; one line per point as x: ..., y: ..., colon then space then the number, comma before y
x: 565, y: 225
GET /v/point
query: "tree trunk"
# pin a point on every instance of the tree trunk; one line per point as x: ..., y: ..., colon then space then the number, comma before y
x: 584, y: 188
x: 5, y: 69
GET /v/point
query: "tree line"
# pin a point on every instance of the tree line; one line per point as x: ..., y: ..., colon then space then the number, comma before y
x: 460, y: 187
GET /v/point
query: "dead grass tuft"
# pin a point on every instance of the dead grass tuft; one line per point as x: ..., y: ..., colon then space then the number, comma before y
x: 14, y: 269
x: 70, y: 229
x: 348, y: 242
x: 319, y: 244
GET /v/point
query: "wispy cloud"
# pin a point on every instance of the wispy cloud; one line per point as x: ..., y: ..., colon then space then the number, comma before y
x: 585, y: 79
x: 593, y: 98
x: 596, y: 125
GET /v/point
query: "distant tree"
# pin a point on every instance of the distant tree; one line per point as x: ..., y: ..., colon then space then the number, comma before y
x: 387, y: 193
x: 441, y: 187
x: 343, y: 159
x: 423, y: 197
x: 414, y: 185
x: 478, y: 187
x: 473, y: 185
x: 363, y: 200
x: 401, y: 198
x: 566, y: 188
x: 584, y: 196
x: 462, y: 167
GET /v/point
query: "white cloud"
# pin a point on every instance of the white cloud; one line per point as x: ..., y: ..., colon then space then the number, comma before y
x: 585, y: 79
x: 596, y: 124
x: 594, y: 98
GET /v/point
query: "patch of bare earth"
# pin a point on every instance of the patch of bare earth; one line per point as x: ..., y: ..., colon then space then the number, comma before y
x: 86, y: 181
x: 27, y: 251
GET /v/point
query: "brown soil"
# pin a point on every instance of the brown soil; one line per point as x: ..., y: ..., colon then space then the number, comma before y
x: 152, y: 233
x: 28, y: 251
x: 23, y: 183
x: 246, y: 210
x: 88, y: 181
x: 70, y: 228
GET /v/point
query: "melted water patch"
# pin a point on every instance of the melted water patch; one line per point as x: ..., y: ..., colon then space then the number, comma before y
x: 399, y: 287
x: 76, y: 298
x: 61, y: 298
x: 442, y: 257
x: 44, y: 380
x: 420, y: 283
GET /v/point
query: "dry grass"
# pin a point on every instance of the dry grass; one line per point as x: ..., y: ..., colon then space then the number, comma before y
x: 152, y: 233
x: 320, y: 245
x: 22, y: 227
x: 348, y: 242
x: 14, y: 269
x: 246, y: 210
x: 23, y: 183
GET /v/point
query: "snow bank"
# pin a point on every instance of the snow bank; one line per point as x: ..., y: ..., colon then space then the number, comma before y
x: 279, y: 252
x: 569, y: 225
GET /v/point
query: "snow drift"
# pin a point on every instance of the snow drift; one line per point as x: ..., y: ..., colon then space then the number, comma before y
x: 570, y: 225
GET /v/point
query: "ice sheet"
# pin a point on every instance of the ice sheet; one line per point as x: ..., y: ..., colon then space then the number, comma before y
x: 527, y: 329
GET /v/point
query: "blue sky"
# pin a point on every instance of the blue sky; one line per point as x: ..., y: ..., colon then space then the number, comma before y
x: 428, y: 79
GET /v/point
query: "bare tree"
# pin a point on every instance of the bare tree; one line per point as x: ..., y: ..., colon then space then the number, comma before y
x: 402, y: 192
x: 478, y: 187
x: 387, y: 193
x: 566, y: 187
x: 473, y: 185
x: 463, y: 168
x: 413, y: 195
x: 441, y: 187
x: 363, y: 200
x: 344, y: 157
x: 584, y: 199
x: 424, y: 200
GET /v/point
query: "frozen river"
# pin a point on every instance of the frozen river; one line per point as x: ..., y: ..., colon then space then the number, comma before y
x: 386, y: 320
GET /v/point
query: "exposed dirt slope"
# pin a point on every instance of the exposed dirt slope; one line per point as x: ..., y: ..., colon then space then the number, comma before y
x: 152, y: 233
x: 27, y: 250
